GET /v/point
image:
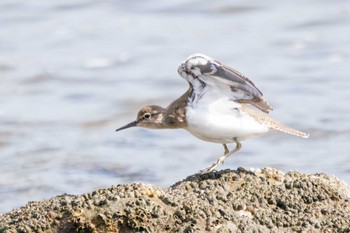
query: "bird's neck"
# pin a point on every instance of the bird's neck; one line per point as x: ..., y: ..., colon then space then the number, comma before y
x: 175, y: 114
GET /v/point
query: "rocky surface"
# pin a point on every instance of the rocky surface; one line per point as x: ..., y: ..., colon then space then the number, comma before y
x: 259, y: 200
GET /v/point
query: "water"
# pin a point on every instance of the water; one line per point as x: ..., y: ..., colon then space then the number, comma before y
x: 71, y: 72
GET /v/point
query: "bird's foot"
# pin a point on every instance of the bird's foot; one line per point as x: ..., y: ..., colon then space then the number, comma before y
x: 213, y: 166
x: 222, y: 158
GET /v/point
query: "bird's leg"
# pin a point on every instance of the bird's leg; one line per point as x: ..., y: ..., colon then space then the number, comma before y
x: 226, y: 149
x: 222, y: 158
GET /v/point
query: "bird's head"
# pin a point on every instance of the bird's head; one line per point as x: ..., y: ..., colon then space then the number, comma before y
x: 148, y: 117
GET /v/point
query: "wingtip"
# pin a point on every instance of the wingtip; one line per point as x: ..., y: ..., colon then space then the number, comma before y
x: 261, y: 104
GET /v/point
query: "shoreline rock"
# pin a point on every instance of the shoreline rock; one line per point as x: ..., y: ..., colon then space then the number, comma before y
x: 256, y: 200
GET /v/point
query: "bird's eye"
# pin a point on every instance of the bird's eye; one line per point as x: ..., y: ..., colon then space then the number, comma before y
x: 147, y: 115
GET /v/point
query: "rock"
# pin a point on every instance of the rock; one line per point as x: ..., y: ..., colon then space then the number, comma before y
x: 256, y: 200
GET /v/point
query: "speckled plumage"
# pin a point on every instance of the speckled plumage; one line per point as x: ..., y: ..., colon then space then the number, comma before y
x: 272, y: 123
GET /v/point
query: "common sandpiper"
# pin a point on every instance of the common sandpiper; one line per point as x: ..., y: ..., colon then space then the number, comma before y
x: 221, y: 105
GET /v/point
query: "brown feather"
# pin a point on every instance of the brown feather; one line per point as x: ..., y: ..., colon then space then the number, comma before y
x: 271, y: 123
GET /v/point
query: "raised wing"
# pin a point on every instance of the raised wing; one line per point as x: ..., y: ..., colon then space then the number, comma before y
x: 200, y: 70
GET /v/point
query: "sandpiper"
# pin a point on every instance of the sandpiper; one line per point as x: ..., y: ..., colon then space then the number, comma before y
x: 217, y: 107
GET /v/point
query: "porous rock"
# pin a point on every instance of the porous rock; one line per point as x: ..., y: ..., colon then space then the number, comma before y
x: 255, y: 200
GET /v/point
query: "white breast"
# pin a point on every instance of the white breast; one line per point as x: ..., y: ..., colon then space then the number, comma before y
x: 215, y: 118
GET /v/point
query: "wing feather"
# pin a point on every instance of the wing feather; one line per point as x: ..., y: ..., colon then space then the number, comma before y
x: 199, y: 67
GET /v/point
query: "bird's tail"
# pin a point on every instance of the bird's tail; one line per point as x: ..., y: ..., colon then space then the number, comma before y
x: 273, y: 124
x: 285, y: 129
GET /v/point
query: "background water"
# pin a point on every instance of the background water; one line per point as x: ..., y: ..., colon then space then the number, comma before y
x: 71, y: 72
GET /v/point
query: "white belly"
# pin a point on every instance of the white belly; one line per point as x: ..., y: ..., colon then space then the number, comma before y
x: 221, y: 121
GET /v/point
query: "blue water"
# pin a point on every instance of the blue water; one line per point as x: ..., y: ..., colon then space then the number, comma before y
x: 71, y: 72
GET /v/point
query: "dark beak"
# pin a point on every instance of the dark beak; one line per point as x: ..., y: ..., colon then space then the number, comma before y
x: 132, y: 124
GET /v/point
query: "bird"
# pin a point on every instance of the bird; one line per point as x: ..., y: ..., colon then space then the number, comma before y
x: 220, y: 106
